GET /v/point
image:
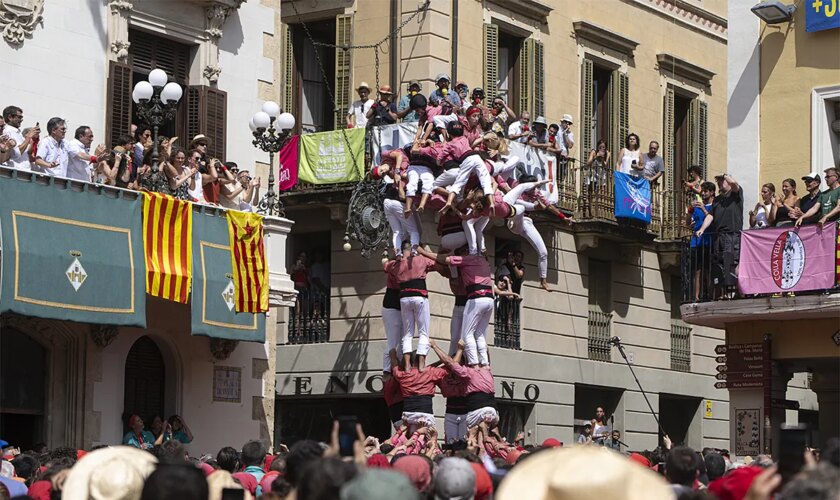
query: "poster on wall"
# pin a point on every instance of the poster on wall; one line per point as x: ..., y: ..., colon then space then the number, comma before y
x: 747, y: 432
x: 227, y: 384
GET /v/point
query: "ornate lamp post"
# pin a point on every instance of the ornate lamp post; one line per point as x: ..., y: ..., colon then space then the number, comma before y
x: 156, y: 103
x: 272, y: 129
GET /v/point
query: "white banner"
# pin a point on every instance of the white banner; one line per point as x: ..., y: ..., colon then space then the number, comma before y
x: 532, y: 161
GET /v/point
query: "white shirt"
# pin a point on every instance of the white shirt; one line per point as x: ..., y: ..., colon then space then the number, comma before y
x: 567, y: 137
x: 77, y: 168
x: 237, y: 203
x: 198, y: 192
x: 50, y: 151
x: 360, y: 109
x: 17, y: 159
x: 515, y: 128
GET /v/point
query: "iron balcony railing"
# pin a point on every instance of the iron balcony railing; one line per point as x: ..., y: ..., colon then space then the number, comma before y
x: 309, y: 319
x: 680, y: 347
x: 507, y: 319
x: 599, y: 328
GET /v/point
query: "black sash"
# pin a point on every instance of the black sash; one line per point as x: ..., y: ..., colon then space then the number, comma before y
x: 391, y: 300
x: 477, y: 400
x: 418, y: 404
x: 414, y: 288
x: 456, y: 405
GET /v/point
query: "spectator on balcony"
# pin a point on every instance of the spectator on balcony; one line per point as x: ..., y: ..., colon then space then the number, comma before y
x: 80, y: 161
x: 196, y: 163
x: 24, y: 140
x: 357, y: 114
x: 443, y: 93
x: 516, y: 270
x: 539, y: 135
x: 598, y: 165
x: 555, y: 146
x: 520, y: 130
x: 239, y: 195
x: 614, y: 441
x: 629, y: 158
x: 726, y: 221
x: 600, y: 429
x: 477, y: 99
x: 500, y: 117
x: 142, y: 141
x: 182, y: 177
x: 781, y: 211
x: 585, y: 436
x: 463, y: 91
x: 52, y: 155
x: 6, y: 146
x: 653, y: 165
x: 700, y: 245
x: 762, y: 215
x: 694, y: 184
x: 383, y: 111
x: 804, y: 204
x: 565, y: 136
x: 404, y: 107
x: 829, y: 202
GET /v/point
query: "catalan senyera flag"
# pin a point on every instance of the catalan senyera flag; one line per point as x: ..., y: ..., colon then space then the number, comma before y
x: 247, y: 254
x: 167, y: 239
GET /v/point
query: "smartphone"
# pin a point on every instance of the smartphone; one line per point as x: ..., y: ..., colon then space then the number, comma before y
x: 792, y: 443
x: 233, y: 494
x: 346, y: 434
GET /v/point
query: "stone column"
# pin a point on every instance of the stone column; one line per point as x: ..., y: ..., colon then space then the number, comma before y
x: 120, y: 10
x: 215, y: 16
x: 826, y: 384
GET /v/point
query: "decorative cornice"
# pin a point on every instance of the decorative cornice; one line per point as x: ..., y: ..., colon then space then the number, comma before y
x: 221, y: 349
x: 212, y: 73
x: 605, y: 37
x: 18, y: 22
x: 687, y: 14
x: 684, y: 69
x: 120, y: 49
x: 120, y: 5
x: 534, y: 9
x: 103, y: 335
x: 217, y: 14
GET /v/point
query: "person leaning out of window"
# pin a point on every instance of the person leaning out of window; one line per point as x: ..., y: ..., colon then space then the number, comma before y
x: 175, y: 428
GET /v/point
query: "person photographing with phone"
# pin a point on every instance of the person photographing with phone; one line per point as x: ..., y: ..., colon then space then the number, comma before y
x: 176, y: 429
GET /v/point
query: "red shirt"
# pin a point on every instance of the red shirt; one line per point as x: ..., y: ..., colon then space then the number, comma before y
x: 414, y: 268
x: 452, y: 387
x: 416, y: 383
x: 388, y: 160
x: 391, y: 392
x: 478, y: 379
x: 391, y: 274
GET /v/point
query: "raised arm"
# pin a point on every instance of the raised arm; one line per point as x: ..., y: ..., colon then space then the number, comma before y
x: 439, y: 258
x: 447, y: 361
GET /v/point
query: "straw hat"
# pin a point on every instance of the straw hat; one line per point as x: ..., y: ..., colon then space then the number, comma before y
x: 115, y: 473
x: 582, y: 473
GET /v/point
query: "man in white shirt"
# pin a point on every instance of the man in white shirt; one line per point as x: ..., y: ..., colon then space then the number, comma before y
x: 241, y: 196
x: 19, y: 157
x: 565, y: 136
x: 520, y: 129
x: 357, y: 115
x: 52, y: 150
x: 79, y: 159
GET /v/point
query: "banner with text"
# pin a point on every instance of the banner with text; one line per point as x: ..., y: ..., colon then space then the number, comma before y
x: 326, y: 159
x: 775, y: 260
x: 288, y: 159
x: 822, y: 15
x: 632, y: 197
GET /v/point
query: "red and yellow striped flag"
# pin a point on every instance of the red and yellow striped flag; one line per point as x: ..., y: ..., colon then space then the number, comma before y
x: 167, y: 239
x: 247, y: 254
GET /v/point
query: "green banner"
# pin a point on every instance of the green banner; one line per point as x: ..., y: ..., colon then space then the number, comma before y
x: 325, y: 159
x: 213, y: 312
x: 71, y: 254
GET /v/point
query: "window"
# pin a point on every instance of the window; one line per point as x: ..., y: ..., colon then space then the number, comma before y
x: 680, y: 332
x: 681, y: 419
x: 514, y: 70
x: 685, y: 132
x: 588, y: 398
x: 506, y: 322
x: 145, y: 378
x: 600, y: 310
x: 311, y: 271
x: 605, y: 96
x: 513, y: 418
x: 23, y: 392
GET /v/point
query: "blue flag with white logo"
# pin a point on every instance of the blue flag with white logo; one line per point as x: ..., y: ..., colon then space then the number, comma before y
x: 822, y: 15
x: 632, y: 197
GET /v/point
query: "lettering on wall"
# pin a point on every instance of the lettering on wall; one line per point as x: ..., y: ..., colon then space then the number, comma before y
x: 303, y: 386
x: 227, y: 384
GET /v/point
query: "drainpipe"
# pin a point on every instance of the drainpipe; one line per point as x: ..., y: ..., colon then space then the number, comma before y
x: 454, y: 41
x: 393, y: 74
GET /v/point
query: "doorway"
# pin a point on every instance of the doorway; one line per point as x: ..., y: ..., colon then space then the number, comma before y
x: 23, y: 389
x: 680, y: 419
x: 303, y: 418
x: 145, y: 382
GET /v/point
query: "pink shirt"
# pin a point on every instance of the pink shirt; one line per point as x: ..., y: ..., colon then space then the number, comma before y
x: 414, y: 268
x: 388, y: 160
x: 391, y: 392
x: 478, y: 379
x: 452, y: 387
x: 416, y: 383
x: 502, y: 208
x: 473, y: 269
x: 454, y: 150
x: 470, y: 133
x: 391, y: 269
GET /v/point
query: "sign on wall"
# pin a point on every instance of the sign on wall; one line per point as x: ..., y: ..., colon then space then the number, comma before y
x: 822, y: 15
x: 747, y: 432
x: 227, y: 384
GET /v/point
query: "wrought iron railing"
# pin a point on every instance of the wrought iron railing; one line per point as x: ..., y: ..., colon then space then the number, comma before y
x: 506, y: 325
x: 596, y: 193
x: 672, y: 208
x: 680, y: 346
x: 599, y: 328
x: 309, y: 319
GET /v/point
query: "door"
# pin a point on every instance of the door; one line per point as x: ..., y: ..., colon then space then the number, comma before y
x: 145, y: 376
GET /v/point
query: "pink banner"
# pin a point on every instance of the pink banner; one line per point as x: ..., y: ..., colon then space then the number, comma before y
x: 786, y: 259
x: 288, y: 158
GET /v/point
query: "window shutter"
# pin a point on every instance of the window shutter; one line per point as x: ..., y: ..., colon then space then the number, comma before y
x: 119, y: 102
x: 343, y: 36
x: 692, y: 153
x: 539, y: 79
x: 207, y: 114
x: 619, y: 105
x: 586, y: 107
x: 526, y: 76
x: 195, y: 111
x: 668, y: 140
x: 149, y: 52
x: 491, y: 61
x: 288, y: 71
x: 703, y: 138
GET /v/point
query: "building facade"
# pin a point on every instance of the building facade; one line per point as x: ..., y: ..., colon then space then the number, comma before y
x: 552, y: 361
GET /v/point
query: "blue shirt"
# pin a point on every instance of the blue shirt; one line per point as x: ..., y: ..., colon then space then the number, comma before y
x: 177, y: 436
x: 451, y: 96
x: 130, y: 439
x: 697, y: 217
x: 258, y: 473
x: 405, y: 102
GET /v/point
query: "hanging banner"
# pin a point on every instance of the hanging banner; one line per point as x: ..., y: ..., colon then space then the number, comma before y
x: 167, y: 235
x: 390, y: 137
x: 71, y: 254
x: 632, y: 197
x: 822, y: 15
x: 213, y: 298
x: 325, y: 159
x: 775, y: 260
x: 288, y: 159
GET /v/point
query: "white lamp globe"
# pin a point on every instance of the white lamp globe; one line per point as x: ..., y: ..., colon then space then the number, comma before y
x: 286, y: 121
x: 158, y: 77
x: 271, y: 108
x: 171, y: 93
x: 134, y: 97
x: 347, y: 247
x: 261, y: 119
x: 252, y: 125
x: 143, y: 90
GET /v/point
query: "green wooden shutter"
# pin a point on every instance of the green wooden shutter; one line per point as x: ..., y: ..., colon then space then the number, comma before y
x: 207, y: 114
x: 288, y: 71
x: 668, y: 140
x: 539, y: 79
x: 491, y: 61
x: 703, y: 138
x: 195, y: 112
x: 692, y: 154
x: 586, y: 107
x: 619, y: 104
x: 343, y: 66
x: 119, y: 102
x: 526, y: 65
x: 623, y: 106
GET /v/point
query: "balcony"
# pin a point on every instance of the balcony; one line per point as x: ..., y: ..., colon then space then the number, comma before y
x: 599, y: 329
x: 506, y: 323
x: 309, y: 318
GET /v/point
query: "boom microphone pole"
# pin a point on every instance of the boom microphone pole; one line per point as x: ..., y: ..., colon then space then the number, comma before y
x: 616, y: 341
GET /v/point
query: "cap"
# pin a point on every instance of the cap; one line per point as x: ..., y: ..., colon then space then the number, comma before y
x: 442, y: 76
x: 378, y: 484
x: 540, y: 119
x: 551, y: 443
x: 812, y: 175
x: 363, y: 85
x: 200, y: 138
x: 415, y: 82
x: 567, y: 118
x: 461, y: 83
x: 478, y: 89
x: 455, y: 479
x: 385, y: 89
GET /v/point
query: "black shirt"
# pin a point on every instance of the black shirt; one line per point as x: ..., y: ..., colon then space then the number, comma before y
x: 515, y: 282
x: 728, y: 212
x: 381, y: 116
x: 805, y: 204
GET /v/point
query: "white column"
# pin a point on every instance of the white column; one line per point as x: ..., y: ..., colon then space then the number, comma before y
x: 281, y: 289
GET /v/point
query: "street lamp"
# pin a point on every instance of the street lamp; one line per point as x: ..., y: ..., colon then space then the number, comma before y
x: 272, y: 129
x: 156, y: 103
x: 773, y: 11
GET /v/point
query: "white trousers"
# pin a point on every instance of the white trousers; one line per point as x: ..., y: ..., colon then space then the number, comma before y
x: 475, y: 234
x: 401, y: 225
x: 453, y: 241
x: 417, y: 173
x: 415, y: 420
x: 447, y: 177
x: 506, y: 169
x: 487, y: 414
x: 440, y: 121
x: 477, y: 315
x: 392, y: 319
x: 524, y: 226
x: 454, y: 427
x: 415, y: 313
x: 472, y: 164
x: 455, y: 328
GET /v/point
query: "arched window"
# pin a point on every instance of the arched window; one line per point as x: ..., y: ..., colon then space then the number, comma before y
x: 145, y: 376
